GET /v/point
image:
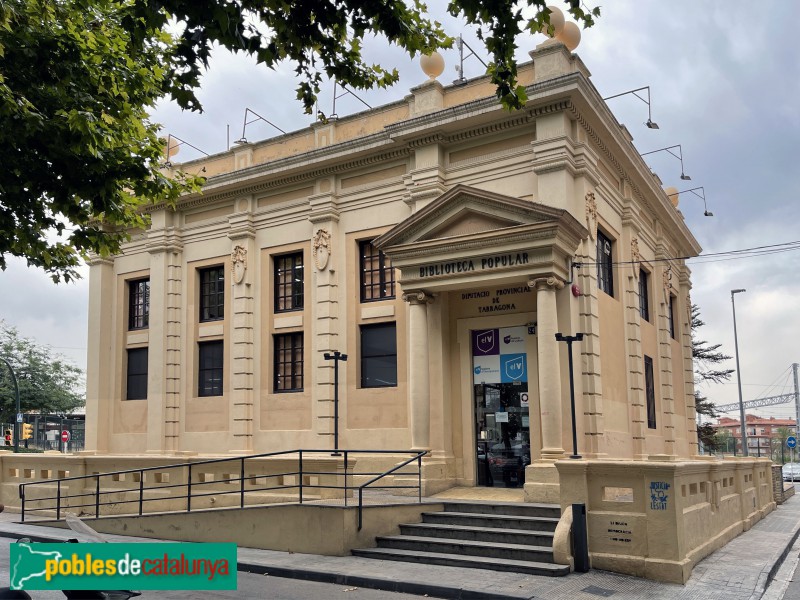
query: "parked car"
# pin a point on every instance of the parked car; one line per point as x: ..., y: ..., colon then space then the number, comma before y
x: 791, y: 472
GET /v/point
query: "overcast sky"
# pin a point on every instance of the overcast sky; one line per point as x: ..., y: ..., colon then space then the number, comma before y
x: 725, y: 80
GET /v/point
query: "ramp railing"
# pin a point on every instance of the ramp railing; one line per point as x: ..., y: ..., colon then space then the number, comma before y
x: 289, y: 476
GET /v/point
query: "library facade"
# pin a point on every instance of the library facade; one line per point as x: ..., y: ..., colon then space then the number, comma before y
x: 440, y: 242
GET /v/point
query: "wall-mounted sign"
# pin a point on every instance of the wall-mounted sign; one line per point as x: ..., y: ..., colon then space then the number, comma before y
x: 658, y: 495
x: 487, y: 263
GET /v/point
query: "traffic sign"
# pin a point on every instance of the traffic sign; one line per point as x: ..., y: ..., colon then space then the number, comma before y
x: 19, y: 417
x: 791, y: 441
x: 65, y: 436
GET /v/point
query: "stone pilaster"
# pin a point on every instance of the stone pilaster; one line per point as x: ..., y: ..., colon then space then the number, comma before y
x: 427, y: 181
x: 100, y: 354
x: 242, y: 348
x: 328, y: 261
x: 683, y: 331
x: 164, y: 340
x: 665, y: 359
x: 637, y: 395
x: 419, y: 391
x: 589, y: 323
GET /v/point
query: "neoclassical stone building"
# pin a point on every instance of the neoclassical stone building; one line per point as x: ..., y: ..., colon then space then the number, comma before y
x: 440, y: 242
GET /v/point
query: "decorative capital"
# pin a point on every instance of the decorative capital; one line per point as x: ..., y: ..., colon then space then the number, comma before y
x: 321, y: 248
x: 238, y: 263
x: 546, y: 283
x: 417, y: 297
x: 591, y: 215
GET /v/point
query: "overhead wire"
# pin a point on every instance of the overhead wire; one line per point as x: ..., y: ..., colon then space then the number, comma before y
x: 713, y: 256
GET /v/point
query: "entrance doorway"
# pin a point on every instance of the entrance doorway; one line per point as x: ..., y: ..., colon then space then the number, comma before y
x: 501, y: 405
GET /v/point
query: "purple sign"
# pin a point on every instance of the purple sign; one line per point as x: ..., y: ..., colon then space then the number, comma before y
x: 486, y: 342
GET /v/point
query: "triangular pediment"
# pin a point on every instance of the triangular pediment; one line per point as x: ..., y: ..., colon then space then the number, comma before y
x: 468, y: 221
x: 465, y: 211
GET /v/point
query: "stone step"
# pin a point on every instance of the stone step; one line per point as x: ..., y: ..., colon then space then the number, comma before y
x: 467, y: 547
x: 459, y: 560
x: 522, y: 509
x: 471, y: 519
x: 479, y: 534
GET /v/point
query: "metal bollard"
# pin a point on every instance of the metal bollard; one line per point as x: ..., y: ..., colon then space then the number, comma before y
x: 580, y: 542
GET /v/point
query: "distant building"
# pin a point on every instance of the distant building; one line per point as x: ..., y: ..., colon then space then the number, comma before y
x: 760, y: 432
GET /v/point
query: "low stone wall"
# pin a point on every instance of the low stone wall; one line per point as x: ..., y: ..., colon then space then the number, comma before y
x: 781, y: 491
x: 659, y: 518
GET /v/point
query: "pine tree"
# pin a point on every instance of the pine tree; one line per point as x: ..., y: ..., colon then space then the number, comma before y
x: 707, y: 363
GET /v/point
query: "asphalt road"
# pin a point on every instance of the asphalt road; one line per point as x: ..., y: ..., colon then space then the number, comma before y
x: 249, y: 586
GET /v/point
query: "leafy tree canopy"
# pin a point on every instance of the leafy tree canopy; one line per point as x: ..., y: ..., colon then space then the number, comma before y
x: 77, y: 77
x: 47, y: 382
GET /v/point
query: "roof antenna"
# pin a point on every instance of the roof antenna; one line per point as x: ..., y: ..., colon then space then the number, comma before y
x: 460, y: 43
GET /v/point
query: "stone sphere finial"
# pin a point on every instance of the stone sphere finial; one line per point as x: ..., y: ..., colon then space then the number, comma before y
x: 432, y: 65
x: 570, y: 36
x: 672, y: 194
x: 557, y: 20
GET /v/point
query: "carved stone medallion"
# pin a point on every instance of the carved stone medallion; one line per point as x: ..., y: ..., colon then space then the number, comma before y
x: 238, y: 263
x: 321, y: 245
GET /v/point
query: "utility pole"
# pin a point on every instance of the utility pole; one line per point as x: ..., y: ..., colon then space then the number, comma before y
x: 16, y: 393
x: 335, y: 356
x: 796, y: 399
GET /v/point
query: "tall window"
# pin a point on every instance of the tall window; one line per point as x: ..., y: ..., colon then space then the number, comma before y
x: 289, y: 362
x: 605, y: 276
x: 644, y: 304
x: 671, y: 316
x: 212, y: 294
x: 210, y: 368
x: 136, y: 388
x: 139, y: 304
x: 377, y: 274
x: 289, y: 282
x: 379, y: 355
x: 650, y: 389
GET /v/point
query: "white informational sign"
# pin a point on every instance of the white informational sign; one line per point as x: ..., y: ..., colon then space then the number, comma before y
x: 526, y: 421
x: 19, y: 417
x: 512, y: 340
x: 486, y: 369
x: 523, y: 398
x: 501, y: 417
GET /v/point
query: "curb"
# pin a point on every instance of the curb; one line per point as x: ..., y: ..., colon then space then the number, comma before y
x: 375, y: 583
x: 765, y: 578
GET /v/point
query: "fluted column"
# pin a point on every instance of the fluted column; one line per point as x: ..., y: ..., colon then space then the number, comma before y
x: 549, y: 365
x: 418, y: 369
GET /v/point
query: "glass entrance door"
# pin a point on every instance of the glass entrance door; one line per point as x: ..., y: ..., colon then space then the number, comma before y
x: 502, y: 420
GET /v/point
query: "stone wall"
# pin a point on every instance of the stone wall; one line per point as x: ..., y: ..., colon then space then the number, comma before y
x: 781, y: 491
x: 659, y: 518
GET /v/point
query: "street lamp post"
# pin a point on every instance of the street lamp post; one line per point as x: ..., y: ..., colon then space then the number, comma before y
x: 569, y: 339
x: 739, y: 374
x: 335, y: 356
x: 16, y: 392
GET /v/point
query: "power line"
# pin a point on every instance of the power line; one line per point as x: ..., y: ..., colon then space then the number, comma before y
x: 712, y: 256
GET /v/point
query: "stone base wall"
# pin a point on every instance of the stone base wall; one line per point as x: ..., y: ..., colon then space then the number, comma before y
x: 658, y: 518
x: 781, y: 491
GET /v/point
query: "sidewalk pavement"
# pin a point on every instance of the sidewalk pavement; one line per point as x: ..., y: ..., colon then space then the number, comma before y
x: 739, y: 571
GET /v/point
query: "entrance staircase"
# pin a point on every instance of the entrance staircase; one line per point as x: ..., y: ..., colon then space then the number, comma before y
x: 515, y: 537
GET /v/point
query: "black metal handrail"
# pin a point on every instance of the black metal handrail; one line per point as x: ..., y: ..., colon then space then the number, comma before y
x: 98, y: 497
